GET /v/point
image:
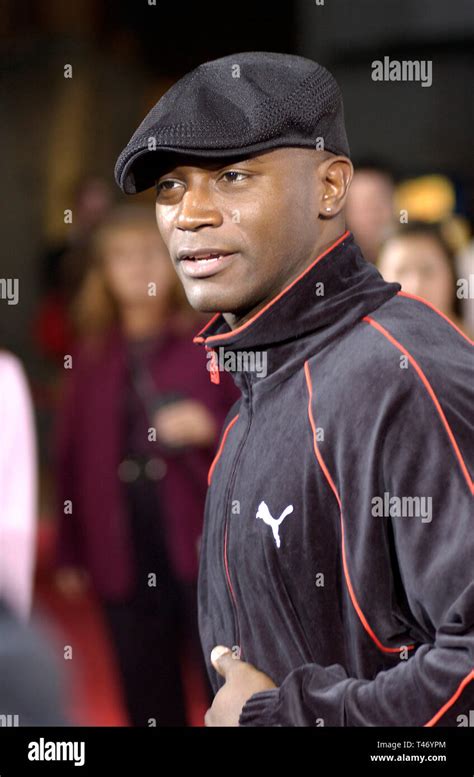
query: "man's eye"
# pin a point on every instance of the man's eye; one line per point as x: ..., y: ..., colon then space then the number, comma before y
x: 232, y: 176
x: 166, y: 185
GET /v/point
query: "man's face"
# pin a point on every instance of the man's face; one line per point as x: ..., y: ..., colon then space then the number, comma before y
x: 370, y: 209
x: 260, y: 216
x: 421, y: 266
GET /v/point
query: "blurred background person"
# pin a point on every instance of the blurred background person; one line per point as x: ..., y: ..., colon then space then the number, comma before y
x: 137, y: 502
x: 465, y: 264
x: 418, y: 257
x: 62, y: 266
x: 370, y: 210
x: 437, y: 199
x: 18, y: 487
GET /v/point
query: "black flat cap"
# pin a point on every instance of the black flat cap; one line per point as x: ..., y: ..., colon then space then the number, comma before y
x: 234, y: 106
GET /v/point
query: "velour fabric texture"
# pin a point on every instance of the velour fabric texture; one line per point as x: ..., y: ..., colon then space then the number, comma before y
x: 362, y: 614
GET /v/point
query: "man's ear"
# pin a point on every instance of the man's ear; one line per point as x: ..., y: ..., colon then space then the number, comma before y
x: 335, y: 175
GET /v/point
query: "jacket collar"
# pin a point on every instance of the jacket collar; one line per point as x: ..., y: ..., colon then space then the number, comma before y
x: 332, y: 294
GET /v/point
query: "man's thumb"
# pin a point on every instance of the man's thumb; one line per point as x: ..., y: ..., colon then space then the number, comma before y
x: 221, y: 658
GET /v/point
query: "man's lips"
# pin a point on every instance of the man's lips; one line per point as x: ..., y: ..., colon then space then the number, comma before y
x: 202, y: 264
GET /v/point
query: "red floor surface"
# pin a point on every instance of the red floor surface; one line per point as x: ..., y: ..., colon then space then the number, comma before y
x: 93, y: 691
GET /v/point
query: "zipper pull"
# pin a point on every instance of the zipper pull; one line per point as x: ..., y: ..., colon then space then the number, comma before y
x: 212, y: 366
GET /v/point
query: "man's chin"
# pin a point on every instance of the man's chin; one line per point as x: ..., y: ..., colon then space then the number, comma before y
x: 211, y: 300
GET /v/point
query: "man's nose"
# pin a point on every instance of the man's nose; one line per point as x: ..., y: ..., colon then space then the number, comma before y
x: 197, y: 209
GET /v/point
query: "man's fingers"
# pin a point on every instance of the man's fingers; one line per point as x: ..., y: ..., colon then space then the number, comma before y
x: 222, y: 660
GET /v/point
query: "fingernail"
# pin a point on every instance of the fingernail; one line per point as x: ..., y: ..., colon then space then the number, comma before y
x: 218, y: 651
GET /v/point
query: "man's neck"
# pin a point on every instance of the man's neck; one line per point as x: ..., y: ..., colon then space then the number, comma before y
x: 235, y: 320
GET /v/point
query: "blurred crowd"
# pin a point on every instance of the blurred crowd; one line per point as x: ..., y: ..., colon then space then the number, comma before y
x: 134, y: 420
x: 410, y: 230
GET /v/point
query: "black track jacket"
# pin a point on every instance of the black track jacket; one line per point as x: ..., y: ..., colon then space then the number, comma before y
x: 338, y: 552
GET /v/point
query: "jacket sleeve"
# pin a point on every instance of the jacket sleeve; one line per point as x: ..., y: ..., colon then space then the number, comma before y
x: 422, y: 453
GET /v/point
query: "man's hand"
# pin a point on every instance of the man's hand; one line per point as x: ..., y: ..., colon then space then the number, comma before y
x: 242, y: 680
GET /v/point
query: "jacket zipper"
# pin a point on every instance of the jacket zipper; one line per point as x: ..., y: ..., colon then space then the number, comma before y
x: 226, y: 523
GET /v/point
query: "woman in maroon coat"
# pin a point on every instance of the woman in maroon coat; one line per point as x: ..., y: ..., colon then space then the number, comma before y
x: 137, y: 432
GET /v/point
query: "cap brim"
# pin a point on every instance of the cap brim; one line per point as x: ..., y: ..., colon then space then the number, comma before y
x: 140, y: 169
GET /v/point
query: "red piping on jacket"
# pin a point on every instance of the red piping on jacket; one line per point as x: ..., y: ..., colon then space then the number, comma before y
x: 248, y: 323
x: 329, y: 479
x: 228, y: 573
x: 209, y: 478
x: 221, y: 448
x: 451, y: 701
x: 431, y: 393
x: 428, y: 304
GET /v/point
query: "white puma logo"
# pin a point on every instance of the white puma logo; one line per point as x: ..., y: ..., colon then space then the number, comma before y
x: 264, y: 513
